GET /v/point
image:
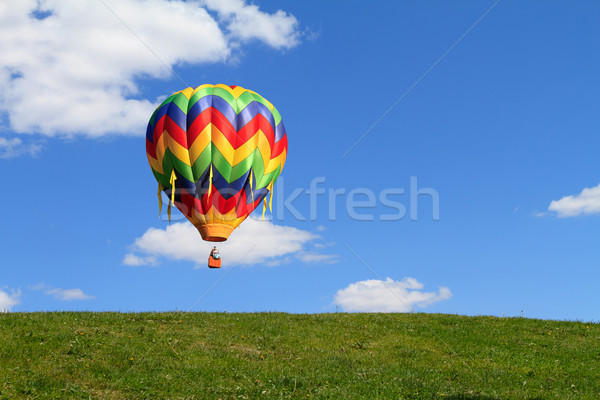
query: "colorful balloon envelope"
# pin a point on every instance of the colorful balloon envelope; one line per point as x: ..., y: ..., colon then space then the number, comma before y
x: 216, y: 151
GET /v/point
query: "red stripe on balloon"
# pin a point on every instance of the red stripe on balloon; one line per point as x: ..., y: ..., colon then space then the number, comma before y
x: 249, y: 130
x: 279, y: 147
x: 187, y: 203
x: 201, y: 121
x: 223, y: 125
x: 150, y: 149
x: 175, y: 132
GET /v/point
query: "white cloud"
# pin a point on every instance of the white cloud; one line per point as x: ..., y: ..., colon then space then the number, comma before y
x: 387, y: 296
x: 9, y: 300
x: 586, y: 202
x: 135, y: 261
x: 69, y: 294
x: 62, y: 294
x: 74, y: 70
x: 247, y: 22
x: 10, y: 148
x: 255, y: 241
x: 314, y: 257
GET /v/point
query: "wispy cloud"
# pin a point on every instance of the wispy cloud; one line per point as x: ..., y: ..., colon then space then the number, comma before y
x: 14, y: 147
x: 586, y: 202
x: 9, y: 300
x: 62, y: 294
x: 255, y: 240
x: 388, y: 296
x: 318, y: 258
x: 136, y: 261
x: 70, y: 67
x: 245, y: 22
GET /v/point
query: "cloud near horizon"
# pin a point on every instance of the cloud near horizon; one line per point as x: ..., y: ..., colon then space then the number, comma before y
x: 388, y: 296
x: 70, y: 67
x: 587, y: 202
x: 63, y: 294
x: 9, y: 300
x: 255, y: 241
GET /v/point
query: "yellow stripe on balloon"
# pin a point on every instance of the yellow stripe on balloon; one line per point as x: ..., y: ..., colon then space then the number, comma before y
x: 172, y: 199
x: 262, y: 143
x: 226, y: 218
x: 276, y: 162
x: 251, y: 189
x: 155, y: 164
x: 213, y: 216
x: 179, y: 151
x: 227, y: 88
x: 271, y: 199
x: 172, y: 181
x: 222, y: 144
x: 210, y: 178
x: 200, y: 143
x: 242, y: 152
x: 233, y: 156
x: 198, y: 216
x: 238, y: 221
x: 199, y: 88
x: 160, y: 189
x: 238, y: 91
x: 258, y: 140
x: 187, y: 92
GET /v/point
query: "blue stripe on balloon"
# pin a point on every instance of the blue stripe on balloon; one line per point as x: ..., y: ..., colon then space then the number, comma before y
x: 177, y: 115
x: 160, y: 112
x: 212, y: 101
x: 279, y: 131
x: 226, y: 189
x: 252, y: 110
x: 259, y: 194
x: 150, y: 133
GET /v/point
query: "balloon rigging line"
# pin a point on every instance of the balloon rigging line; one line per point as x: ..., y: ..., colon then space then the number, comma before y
x: 385, y: 114
x: 171, y: 70
x: 175, y: 74
x: 461, y: 358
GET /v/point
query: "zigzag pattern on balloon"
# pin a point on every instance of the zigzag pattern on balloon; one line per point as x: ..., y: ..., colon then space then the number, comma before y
x: 226, y: 145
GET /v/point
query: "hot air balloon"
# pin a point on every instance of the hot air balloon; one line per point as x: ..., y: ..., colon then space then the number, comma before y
x: 216, y: 151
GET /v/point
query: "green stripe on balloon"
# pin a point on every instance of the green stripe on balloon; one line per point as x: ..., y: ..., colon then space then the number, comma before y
x: 242, y: 167
x: 167, y: 168
x: 220, y: 163
x: 198, y: 95
x: 183, y: 169
x: 224, y: 94
x: 276, y: 116
x: 160, y: 178
x: 202, y: 163
x: 267, y: 178
x: 182, y: 102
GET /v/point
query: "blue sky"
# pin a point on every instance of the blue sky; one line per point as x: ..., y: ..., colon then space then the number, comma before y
x: 503, y: 130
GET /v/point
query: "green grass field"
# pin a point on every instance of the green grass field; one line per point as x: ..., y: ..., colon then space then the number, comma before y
x: 286, y: 356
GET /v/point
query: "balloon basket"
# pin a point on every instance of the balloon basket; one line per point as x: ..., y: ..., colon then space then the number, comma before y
x: 212, y: 263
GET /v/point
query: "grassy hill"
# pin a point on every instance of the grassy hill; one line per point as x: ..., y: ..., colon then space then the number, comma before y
x: 283, y: 356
